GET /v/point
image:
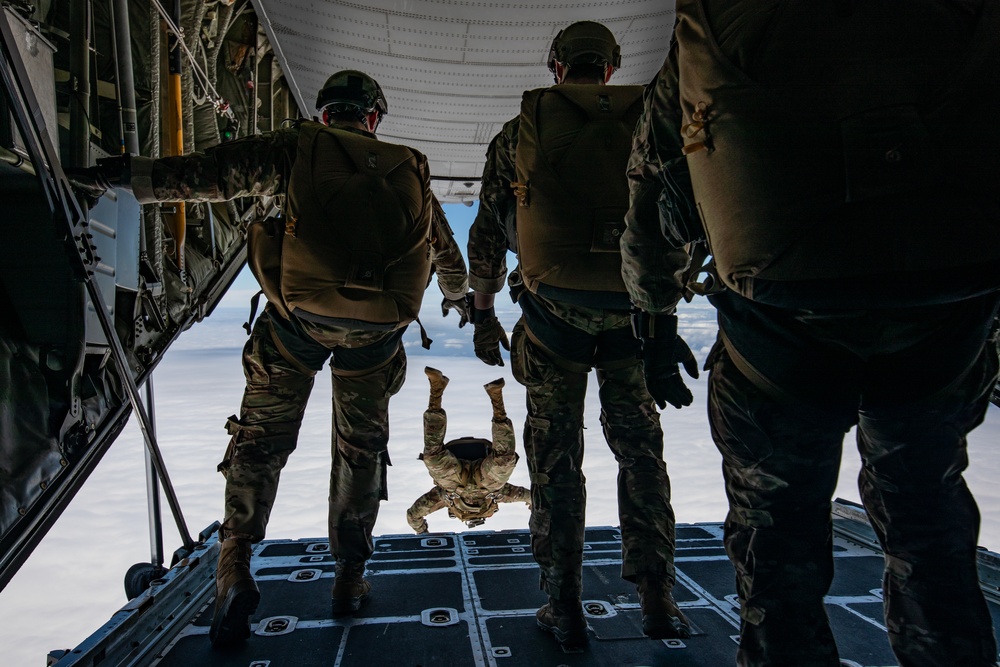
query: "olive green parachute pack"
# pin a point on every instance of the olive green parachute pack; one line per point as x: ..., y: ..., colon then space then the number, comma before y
x: 573, y: 146
x: 843, y: 139
x: 354, y: 249
x: 469, y: 448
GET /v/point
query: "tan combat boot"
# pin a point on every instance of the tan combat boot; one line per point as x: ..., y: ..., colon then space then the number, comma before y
x: 350, y: 587
x: 495, y: 391
x: 566, y: 623
x: 438, y: 383
x: 236, y: 594
x: 661, y: 617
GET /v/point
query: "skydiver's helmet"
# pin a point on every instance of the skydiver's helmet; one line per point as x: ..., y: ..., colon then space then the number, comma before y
x: 585, y: 42
x: 354, y: 92
x: 472, y: 515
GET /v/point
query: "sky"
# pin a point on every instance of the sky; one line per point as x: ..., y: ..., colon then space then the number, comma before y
x: 72, y: 583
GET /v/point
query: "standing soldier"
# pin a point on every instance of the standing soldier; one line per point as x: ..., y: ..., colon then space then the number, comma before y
x: 816, y: 143
x: 344, y: 270
x: 470, y: 474
x: 554, y: 191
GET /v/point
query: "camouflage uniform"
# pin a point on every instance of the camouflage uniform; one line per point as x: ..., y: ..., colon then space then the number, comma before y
x: 786, y: 384
x: 554, y: 346
x: 282, y: 357
x: 655, y: 273
x: 470, y: 489
x: 782, y: 395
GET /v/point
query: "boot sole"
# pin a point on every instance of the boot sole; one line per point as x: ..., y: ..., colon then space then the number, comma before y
x: 662, y: 626
x: 569, y: 642
x: 232, y: 626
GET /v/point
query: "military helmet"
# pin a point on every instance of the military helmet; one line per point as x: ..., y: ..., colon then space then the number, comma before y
x: 351, y: 90
x: 585, y: 42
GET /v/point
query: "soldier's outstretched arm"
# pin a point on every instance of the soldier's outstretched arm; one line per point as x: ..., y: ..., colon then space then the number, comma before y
x: 515, y: 494
x: 252, y: 166
x: 426, y: 504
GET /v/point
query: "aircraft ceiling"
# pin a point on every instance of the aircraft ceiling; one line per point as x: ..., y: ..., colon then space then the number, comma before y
x: 452, y: 70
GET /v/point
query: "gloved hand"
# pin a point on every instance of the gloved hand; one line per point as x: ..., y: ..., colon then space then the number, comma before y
x: 662, y: 351
x: 463, y: 306
x: 92, y: 182
x: 488, y: 337
x: 89, y: 183
x: 418, y: 525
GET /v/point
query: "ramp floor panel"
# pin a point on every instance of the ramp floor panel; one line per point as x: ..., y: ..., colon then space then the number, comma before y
x: 469, y: 599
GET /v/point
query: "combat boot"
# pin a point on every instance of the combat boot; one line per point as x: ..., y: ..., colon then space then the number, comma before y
x: 350, y: 587
x: 236, y: 594
x: 438, y: 383
x: 495, y: 391
x: 566, y: 623
x: 661, y: 617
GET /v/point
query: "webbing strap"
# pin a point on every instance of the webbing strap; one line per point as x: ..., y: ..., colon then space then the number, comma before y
x: 254, y: 302
x: 425, y: 340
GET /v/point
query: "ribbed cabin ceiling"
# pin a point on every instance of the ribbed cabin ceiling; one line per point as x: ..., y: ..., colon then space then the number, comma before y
x: 453, y: 71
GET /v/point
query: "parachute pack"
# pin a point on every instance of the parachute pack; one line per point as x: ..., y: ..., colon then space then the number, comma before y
x: 469, y: 448
x: 835, y: 142
x: 353, y: 246
x: 573, y: 146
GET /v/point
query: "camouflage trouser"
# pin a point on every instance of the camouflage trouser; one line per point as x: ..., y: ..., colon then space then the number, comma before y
x: 781, y: 462
x: 278, y: 387
x: 553, y: 445
x: 446, y: 470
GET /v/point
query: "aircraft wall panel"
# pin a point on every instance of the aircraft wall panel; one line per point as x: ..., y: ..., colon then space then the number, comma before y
x: 453, y: 71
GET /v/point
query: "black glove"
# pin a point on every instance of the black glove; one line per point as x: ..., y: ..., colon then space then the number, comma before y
x: 462, y: 305
x: 662, y: 351
x: 92, y: 182
x: 488, y: 337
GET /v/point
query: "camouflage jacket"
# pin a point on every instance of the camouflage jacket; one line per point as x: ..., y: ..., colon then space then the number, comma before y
x: 258, y: 166
x: 488, y: 237
x: 654, y: 272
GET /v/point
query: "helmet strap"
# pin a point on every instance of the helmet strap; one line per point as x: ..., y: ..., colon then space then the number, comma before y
x: 561, y: 70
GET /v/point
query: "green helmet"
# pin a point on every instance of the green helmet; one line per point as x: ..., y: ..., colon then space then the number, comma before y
x: 585, y: 42
x: 472, y: 515
x: 351, y: 90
